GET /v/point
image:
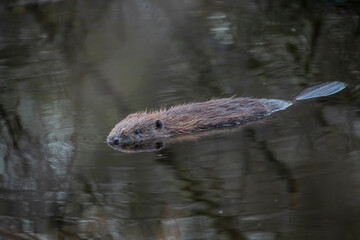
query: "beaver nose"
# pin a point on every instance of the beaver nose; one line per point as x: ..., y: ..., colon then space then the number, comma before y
x: 113, y: 140
x: 116, y: 141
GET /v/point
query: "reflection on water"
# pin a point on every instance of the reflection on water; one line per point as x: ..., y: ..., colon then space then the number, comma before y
x: 70, y: 70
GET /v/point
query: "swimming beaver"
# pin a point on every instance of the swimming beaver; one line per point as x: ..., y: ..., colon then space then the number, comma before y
x: 195, y: 117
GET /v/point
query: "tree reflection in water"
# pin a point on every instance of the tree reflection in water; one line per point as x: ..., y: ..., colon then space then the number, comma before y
x: 70, y: 69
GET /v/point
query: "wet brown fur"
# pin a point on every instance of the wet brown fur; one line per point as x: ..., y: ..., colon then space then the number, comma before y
x: 193, y: 117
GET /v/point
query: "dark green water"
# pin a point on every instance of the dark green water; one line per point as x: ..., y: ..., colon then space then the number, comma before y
x: 70, y: 70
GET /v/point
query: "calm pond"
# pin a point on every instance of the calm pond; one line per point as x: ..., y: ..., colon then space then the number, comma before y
x: 70, y: 70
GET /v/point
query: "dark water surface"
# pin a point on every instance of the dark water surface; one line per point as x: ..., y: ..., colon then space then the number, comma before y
x: 70, y: 70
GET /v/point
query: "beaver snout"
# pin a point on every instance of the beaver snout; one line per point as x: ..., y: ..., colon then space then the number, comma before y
x: 117, y: 140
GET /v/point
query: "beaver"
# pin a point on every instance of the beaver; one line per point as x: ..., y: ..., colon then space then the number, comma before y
x: 196, y: 117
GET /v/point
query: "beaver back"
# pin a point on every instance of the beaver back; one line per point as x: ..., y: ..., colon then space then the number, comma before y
x: 218, y: 113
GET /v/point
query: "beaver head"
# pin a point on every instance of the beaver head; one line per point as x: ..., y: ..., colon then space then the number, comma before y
x: 136, y: 127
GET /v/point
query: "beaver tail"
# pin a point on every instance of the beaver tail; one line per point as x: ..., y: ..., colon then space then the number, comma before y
x: 320, y: 90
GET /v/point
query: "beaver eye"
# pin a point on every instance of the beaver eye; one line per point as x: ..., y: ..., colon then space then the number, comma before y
x: 137, y: 131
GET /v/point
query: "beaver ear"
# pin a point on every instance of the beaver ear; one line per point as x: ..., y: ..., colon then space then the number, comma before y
x: 159, y: 124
